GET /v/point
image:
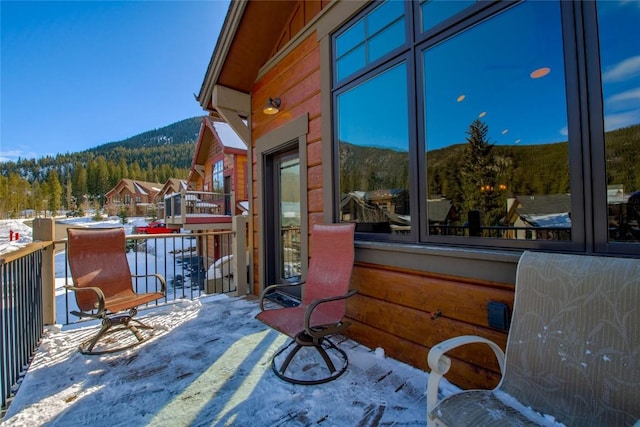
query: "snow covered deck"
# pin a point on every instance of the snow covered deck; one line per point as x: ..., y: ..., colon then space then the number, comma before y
x: 208, y: 364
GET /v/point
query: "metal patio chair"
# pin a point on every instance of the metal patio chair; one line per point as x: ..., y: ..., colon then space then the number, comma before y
x: 323, y: 306
x: 103, y: 285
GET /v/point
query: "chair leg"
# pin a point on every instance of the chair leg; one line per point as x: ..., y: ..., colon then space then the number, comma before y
x: 303, y: 340
x: 87, y: 346
x: 126, y: 321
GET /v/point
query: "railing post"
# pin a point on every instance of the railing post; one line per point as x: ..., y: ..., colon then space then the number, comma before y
x: 239, y: 261
x: 44, y: 230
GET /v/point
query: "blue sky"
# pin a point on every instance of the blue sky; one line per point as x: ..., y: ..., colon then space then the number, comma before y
x: 78, y: 74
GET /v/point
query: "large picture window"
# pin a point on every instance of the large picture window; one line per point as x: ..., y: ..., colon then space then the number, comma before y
x: 480, y: 130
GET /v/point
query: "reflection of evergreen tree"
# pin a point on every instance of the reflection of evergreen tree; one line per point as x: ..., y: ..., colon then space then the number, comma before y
x: 479, y: 172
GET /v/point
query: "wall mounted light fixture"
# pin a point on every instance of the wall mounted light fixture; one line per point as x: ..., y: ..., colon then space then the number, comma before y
x: 272, y: 106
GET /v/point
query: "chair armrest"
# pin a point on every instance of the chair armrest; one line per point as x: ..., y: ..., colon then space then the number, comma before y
x: 160, y: 277
x: 270, y: 288
x: 440, y: 365
x: 98, y: 293
x: 327, y: 329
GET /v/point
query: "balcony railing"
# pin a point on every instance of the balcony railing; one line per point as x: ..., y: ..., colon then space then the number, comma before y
x: 503, y: 232
x: 193, y: 264
x: 198, y: 207
x: 21, y: 315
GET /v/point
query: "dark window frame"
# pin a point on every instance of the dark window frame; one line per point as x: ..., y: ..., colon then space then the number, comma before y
x: 584, y: 120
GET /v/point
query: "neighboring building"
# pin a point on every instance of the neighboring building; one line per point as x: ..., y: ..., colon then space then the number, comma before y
x: 539, y: 217
x: 394, y: 81
x: 138, y: 197
x: 216, y: 188
x: 220, y: 164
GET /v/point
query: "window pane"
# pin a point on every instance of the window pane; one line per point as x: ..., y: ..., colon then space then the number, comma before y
x: 289, y: 185
x: 435, y: 11
x: 350, y: 38
x: 373, y: 140
x: 620, y: 61
x: 496, y: 128
x: 378, y: 33
x: 383, y: 15
x: 217, y: 177
x: 352, y: 62
x: 386, y: 41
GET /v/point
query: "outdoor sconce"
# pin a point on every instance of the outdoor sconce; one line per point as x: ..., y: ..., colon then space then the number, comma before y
x: 272, y: 106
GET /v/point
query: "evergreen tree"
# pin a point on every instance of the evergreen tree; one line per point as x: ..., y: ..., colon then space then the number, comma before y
x: 479, y: 172
x: 102, y: 178
x: 79, y: 182
x: 55, y: 192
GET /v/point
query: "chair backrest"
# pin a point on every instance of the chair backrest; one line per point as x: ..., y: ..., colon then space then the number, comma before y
x: 97, y: 258
x: 330, y: 266
x: 574, y: 344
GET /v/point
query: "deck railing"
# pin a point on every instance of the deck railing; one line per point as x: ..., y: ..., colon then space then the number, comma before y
x: 178, y: 207
x: 21, y: 315
x: 503, y: 232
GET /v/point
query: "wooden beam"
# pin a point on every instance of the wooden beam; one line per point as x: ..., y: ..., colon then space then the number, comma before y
x: 233, y: 106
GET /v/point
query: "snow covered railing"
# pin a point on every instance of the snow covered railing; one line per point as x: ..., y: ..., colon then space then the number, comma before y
x: 571, y: 354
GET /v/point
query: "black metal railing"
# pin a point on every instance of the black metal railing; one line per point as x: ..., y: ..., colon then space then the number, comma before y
x: 21, y: 315
x: 503, y: 232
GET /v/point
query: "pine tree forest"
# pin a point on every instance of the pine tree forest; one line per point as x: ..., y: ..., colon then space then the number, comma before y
x: 67, y: 181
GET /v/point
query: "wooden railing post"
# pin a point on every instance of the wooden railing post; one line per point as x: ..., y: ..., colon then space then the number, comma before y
x: 239, y: 261
x: 44, y: 231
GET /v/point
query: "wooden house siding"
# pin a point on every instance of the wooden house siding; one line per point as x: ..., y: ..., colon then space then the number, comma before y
x: 407, y: 312
x: 240, y: 178
x: 302, y: 14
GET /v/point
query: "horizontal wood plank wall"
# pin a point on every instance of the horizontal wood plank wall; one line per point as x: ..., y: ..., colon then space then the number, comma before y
x: 240, y: 177
x: 394, y: 307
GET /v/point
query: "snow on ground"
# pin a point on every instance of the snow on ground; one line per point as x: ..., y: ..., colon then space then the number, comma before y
x: 208, y: 363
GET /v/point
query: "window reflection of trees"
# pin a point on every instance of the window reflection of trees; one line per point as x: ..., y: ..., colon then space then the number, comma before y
x: 495, y: 113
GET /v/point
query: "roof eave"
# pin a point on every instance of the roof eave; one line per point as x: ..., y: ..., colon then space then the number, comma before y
x: 225, y: 39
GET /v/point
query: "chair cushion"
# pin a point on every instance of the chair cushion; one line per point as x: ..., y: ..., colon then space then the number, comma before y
x: 479, y: 408
x: 290, y: 320
x: 129, y: 300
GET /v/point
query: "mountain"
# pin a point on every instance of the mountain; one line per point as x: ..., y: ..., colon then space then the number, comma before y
x: 171, y: 146
x: 153, y: 156
x: 525, y: 169
x: 184, y: 131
